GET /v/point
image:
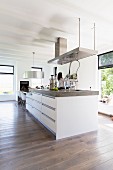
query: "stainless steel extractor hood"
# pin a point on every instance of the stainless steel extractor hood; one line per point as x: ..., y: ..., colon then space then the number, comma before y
x: 75, y: 54
x: 33, y: 74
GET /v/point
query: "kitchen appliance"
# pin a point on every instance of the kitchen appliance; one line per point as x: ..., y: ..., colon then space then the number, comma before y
x: 52, y: 82
x: 24, y: 86
x: 33, y: 74
x: 75, y: 54
x: 72, y: 79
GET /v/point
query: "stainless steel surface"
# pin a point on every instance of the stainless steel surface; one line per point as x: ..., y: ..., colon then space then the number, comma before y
x: 66, y: 93
x: 33, y: 74
x: 74, y: 75
x: 79, y: 32
x: 52, y: 82
x: 60, y: 46
x: 94, y: 36
x: 73, y: 55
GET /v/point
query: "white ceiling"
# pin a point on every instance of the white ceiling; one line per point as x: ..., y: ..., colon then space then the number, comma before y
x: 34, y: 25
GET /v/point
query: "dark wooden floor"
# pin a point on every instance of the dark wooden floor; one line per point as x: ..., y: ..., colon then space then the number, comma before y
x: 27, y: 145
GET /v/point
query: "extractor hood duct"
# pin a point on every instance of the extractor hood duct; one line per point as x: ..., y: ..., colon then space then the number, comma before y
x: 60, y: 46
x: 63, y: 57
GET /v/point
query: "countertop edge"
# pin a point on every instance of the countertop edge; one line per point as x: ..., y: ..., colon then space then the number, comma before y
x: 65, y: 93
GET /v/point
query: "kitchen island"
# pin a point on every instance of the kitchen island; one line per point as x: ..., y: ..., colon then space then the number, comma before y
x: 66, y: 112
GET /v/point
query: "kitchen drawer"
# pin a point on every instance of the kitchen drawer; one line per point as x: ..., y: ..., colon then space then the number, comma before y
x: 29, y: 100
x: 29, y: 95
x: 37, y: 105
x: 49, y: 112
x: 49, y: 101
x: 48, y: 122
x: 37, y: 96
x: 36, y: 113
x: 29, y: 108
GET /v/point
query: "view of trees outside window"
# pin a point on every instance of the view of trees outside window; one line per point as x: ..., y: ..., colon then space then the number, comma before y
x: 107, y: 81
x: 106, y: 66
x: 106, y: 59
x: 6, y: 84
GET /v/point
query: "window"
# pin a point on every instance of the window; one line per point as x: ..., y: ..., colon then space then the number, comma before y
x: 105, y: 63
x: 105, y: 60
x: 6, y: 79
x: 36, y: 82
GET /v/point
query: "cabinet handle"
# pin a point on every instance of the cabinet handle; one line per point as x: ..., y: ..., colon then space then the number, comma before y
x: 36, y: 101
x: 48, y: 117
x: 36, y: 109
x: 52, y: 108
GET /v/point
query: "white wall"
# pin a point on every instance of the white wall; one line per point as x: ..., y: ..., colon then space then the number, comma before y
x: 88, y: 75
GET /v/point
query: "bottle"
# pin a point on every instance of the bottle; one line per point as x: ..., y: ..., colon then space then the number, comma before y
x: 55, y: 80
x: 66, y: 83
x: 52, y: 82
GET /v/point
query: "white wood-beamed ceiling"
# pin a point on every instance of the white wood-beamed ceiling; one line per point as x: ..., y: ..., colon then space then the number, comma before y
x: 34, y: 25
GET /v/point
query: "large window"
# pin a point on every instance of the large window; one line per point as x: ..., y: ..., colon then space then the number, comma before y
x: 6, y: 79
x: 36, y: 82
x: 107, y: 81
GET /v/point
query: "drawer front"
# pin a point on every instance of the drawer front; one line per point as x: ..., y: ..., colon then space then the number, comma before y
x: 29, y: 108
x: 49, y: 112
x: 37, y: 96
x: 49, y: 101
x: 29, y: 101
x: 29, y: 95
x: 37, y: 105
x: 36, y: 113
x: 48, y: 122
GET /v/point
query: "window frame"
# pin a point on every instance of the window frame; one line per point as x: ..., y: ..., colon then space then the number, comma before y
x: 105, y: 66
x: 5, y: 73
x: 7, y: 66
x: 38, y: 68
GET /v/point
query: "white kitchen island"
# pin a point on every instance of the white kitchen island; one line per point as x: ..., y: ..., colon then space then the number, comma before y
x: 65, y: 113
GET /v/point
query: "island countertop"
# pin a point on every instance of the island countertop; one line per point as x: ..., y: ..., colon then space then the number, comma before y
x: 65, y: 93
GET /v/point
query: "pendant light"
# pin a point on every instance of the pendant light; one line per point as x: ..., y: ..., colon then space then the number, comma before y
x: 33, y: 74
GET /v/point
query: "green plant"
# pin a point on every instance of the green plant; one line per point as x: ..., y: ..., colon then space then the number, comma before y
x: 107, y: 78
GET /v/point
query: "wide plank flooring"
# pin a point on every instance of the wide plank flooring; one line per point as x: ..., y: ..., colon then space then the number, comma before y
x: 26, y: 145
